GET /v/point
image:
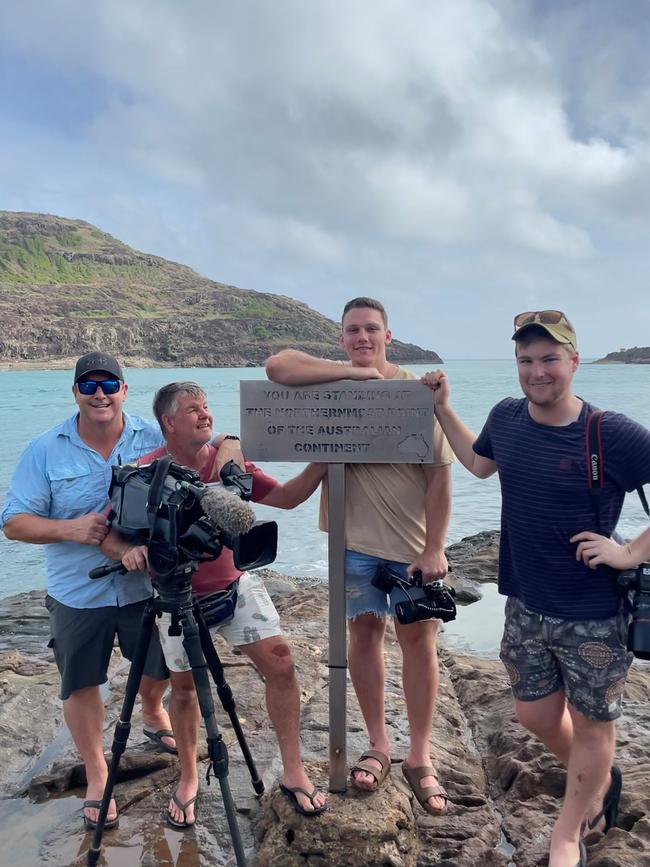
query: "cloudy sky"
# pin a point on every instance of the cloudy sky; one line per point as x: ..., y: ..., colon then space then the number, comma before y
x: 462, y: 160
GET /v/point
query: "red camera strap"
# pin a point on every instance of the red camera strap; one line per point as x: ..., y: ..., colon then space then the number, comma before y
x: 595, y: 463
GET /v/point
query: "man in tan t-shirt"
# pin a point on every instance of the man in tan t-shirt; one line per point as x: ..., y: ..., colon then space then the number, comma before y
x: 396, y: 514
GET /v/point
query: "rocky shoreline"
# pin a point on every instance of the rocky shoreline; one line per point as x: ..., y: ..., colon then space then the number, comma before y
x: 504, y: 787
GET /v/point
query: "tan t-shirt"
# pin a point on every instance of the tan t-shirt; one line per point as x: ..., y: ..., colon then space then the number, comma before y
x: 384, y: 503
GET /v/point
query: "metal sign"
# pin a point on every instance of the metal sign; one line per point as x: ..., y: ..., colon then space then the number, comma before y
x: 376, y: 421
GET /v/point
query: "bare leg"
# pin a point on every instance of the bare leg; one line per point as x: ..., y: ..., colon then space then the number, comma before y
x: 366, y: 662
x: 420, y: 678
x: 588, y: 773
x: 185, y: 715
x: 272, y: 658
x: 154, y: 715
x: 549, y: 720
x: 557, y: 725
x: 83, y: 712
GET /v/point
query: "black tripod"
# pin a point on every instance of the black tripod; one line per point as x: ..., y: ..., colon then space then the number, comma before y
x: 188, y: 620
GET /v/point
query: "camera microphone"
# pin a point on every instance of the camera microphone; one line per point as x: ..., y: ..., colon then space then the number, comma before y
x: 226, y: 511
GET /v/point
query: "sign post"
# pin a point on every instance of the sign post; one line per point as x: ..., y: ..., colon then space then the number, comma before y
x: 338, y: 423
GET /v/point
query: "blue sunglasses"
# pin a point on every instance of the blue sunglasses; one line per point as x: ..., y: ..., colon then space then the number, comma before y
x: 108, y: 386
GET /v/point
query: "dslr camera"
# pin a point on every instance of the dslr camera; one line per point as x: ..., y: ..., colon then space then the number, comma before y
x: 425, y: 601
x: 635, y: 584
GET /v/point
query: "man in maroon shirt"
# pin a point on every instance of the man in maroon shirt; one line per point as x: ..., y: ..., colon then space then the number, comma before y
x: 186, y: 422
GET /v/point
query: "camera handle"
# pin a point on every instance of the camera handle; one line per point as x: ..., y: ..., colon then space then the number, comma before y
x: 103, y: 571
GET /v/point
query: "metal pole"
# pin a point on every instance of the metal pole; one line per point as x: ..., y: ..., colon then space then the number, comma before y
x: 337, y: 626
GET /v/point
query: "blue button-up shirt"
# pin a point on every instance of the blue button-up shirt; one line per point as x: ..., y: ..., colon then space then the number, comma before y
x: 59, y: 476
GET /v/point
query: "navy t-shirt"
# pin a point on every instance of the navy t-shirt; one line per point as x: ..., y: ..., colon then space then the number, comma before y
x: 546, y: 500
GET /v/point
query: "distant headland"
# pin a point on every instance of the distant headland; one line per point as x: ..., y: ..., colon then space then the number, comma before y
x: 66, y: 288
x: 635, y: 355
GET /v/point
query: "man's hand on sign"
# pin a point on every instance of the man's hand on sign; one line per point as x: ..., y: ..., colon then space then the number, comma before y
x: 432, y: 563
x: 437, y: 381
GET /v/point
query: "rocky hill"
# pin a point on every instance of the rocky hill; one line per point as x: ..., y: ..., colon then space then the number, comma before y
x: 635, y: 355
x: 66, y: 288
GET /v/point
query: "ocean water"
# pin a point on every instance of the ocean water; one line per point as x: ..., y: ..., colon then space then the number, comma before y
x: 32, y: 401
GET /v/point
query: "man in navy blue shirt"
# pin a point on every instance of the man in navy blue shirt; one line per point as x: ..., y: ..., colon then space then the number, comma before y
x: 564, y: 643
x: 57, y: 498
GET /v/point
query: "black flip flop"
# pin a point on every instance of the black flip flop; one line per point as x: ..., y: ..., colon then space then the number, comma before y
x: 609, y: 810
x: 612, y: 798
x: 583, y: 855
x: 290, y: 793
x: 181, y: 826
x: 157, y: 738
x: 91, y: 824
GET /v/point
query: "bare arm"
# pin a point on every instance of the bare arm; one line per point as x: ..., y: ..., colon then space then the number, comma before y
x: 595, y: 549
x: 459, y: 436
x: 291, y: 367
x: 296, y: 490
x: 437, y: 508
x: 227, y: 450
x: 89, y: 529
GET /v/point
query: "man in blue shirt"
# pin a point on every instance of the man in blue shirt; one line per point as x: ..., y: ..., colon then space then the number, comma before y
x: 57, y: 498
x: 564, y: 643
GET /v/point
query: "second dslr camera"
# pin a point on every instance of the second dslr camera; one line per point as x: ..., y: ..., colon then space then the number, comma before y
x: 424, y: 600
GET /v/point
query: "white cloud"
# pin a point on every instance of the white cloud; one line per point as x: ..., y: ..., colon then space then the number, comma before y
x: 301, y: 145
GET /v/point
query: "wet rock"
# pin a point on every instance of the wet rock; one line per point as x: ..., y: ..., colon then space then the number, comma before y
x: 504, y: 788
x: 526, y: 783
x: 476, y: 557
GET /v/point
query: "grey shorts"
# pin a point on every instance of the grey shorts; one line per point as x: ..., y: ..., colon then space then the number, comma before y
x: 588, y: 659
x: 255, y: 618
x: 82, y: 640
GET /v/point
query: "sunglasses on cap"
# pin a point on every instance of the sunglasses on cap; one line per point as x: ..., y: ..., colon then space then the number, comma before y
x: 90, y: 386
x: 543, y: 317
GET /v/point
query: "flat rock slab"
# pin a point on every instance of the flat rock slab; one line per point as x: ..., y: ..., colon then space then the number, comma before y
x: 504, y: 788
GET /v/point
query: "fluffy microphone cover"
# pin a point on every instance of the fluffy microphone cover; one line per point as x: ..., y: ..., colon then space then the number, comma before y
x: 226, y: 511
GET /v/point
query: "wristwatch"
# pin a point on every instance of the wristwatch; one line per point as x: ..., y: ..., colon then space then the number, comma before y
x: 231, y: 437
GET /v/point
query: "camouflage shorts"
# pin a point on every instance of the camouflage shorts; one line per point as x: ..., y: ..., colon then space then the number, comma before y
x: 255, y: 618
x: 588, y: 659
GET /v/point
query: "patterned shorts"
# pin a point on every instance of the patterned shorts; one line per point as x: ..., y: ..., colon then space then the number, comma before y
x: 255, y: 618
x: 588, y: 659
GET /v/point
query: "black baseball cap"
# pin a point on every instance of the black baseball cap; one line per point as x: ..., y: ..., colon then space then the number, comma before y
x: 100, y: 361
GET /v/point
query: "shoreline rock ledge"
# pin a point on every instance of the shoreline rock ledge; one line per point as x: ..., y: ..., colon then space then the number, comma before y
x: 504, y: 787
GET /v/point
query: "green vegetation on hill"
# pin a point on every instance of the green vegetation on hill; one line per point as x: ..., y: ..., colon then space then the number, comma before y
x: 66, y: 288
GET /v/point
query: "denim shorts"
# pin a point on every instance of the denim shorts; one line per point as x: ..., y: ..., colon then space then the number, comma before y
x: 361, y: 597
x: 588, y: 659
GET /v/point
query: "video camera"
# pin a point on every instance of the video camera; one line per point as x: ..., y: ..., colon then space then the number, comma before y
x: 635, y: 584
x: 166, y: 506
x: 431, y: 599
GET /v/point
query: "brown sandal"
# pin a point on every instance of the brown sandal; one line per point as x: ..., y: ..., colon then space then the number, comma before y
x: 364, y: 765
x: 423, y: 793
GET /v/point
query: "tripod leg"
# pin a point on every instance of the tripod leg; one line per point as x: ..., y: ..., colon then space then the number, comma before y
x: 217, y: 750
x: 123, y: 725
x: 226, y: 697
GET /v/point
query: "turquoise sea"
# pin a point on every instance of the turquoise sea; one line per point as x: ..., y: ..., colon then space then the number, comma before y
x: 32, y: 401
